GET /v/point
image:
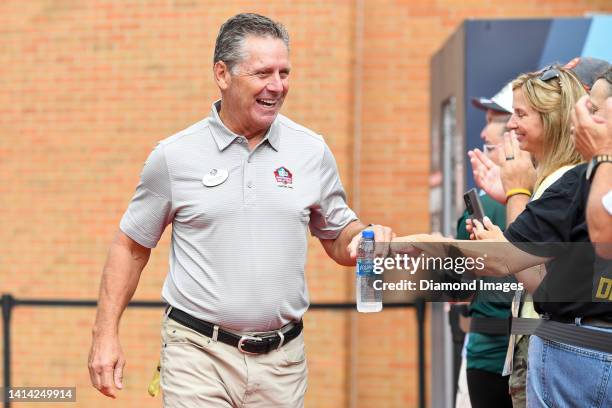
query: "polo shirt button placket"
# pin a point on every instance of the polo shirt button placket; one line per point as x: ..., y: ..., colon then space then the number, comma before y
x: 249, y: 181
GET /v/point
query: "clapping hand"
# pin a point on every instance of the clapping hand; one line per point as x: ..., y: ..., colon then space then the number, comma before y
x: 517, y: 169
x: 487, y: 175
x: 590, y: 134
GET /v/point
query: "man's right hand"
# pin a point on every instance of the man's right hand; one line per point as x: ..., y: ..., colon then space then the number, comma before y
x: 106, y: 363
x: 487, y: 175
x: 126, y: 259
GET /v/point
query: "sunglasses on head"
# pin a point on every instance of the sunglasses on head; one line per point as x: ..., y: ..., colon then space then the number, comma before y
x: 549, y: 72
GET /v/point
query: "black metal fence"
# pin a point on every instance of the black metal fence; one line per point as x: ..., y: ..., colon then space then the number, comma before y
x: 9, y: 303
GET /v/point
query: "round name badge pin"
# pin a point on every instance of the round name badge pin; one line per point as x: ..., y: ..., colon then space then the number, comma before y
x: 214, y: 177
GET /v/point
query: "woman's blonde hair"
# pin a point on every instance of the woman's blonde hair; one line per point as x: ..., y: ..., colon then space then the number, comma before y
x: 554, y: 100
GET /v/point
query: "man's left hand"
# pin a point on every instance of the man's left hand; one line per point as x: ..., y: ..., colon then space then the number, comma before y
x: 382, y: 236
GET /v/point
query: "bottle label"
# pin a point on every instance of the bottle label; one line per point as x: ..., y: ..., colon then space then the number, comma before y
x: 365, y: 267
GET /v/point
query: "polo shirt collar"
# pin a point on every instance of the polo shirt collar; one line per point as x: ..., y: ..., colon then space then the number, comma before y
x: 224, y: 137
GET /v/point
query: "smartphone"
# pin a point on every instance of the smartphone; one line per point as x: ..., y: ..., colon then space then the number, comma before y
x: 473, y: 204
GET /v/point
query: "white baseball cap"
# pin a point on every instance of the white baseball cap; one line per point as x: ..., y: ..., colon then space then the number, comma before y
x: 501, y: 102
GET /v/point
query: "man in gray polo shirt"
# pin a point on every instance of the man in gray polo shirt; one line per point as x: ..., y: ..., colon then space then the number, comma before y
x: 241, y: 188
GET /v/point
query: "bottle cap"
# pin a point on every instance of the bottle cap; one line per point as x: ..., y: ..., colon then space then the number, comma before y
x: 367, y: 234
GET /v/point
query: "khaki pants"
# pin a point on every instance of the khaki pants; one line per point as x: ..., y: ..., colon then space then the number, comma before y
x: 199, y: 372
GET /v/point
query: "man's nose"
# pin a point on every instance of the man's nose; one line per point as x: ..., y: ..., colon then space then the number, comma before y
x: 275, y: 83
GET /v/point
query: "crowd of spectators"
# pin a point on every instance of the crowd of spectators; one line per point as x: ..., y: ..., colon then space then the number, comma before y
x: 545, y: 175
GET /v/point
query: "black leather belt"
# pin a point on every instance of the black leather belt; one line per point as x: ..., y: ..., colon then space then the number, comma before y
x: 564, y: 333
x: 256, y: 344
x: 585, y: 321
x: 499, y: 326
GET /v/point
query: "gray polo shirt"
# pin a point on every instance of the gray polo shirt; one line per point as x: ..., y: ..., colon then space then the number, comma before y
x: 238, y: 247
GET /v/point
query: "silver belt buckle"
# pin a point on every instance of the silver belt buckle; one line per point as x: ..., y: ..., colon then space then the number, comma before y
x: 245, y: 338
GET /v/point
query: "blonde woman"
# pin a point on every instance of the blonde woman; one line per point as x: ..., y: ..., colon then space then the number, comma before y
x: 541, y: 128
x: 542, y: 123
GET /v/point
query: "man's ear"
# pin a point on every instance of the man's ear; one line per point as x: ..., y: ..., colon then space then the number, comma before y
x: 222, y: 75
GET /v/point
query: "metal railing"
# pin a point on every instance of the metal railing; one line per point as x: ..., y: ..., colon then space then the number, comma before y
x: 9, y: 303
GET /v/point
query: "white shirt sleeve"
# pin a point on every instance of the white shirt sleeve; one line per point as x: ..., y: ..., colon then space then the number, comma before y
x: 332, y: 213
x: 606, y: 201
x: 150, y: 210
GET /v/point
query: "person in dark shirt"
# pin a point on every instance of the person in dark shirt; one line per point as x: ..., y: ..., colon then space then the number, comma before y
x: 551, y: 230
x: 561, y: 374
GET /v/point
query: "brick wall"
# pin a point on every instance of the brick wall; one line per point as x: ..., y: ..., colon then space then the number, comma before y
x: 88, y: 87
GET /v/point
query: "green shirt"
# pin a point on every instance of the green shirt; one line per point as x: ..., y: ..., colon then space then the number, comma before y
x: 488, y: 352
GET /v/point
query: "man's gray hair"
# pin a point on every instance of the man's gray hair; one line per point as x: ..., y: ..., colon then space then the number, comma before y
x: 229, y: 46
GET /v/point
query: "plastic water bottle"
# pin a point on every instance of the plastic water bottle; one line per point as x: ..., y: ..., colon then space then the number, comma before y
x: 368, y: 299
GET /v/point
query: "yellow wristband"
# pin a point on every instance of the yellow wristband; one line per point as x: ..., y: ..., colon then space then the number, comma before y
x: 516, y: 191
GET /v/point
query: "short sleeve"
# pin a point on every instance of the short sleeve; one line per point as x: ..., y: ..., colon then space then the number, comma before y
x: 549, y: 219
x: 150, y: 210
x: 329, y: 217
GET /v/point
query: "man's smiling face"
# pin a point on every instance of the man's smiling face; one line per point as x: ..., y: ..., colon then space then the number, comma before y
x: 253, y: 93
